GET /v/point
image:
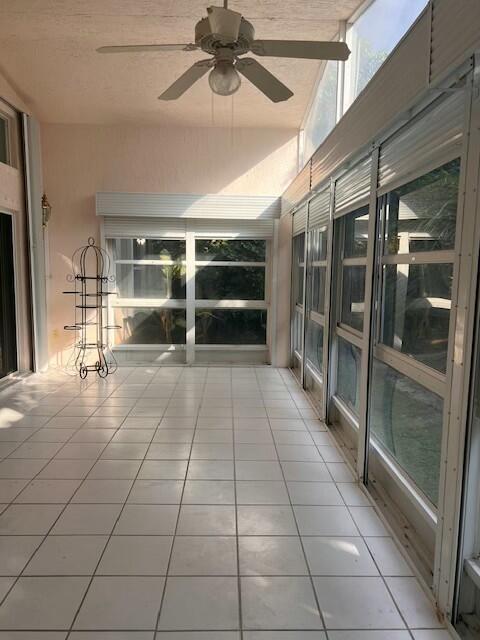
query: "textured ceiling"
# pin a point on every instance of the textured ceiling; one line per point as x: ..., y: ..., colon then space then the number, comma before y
x: 47, y: 51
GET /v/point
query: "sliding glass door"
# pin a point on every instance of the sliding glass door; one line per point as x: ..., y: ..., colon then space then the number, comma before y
x: 8, y: 329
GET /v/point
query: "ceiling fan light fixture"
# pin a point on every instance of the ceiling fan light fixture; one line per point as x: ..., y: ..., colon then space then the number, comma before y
x: 224, y: 79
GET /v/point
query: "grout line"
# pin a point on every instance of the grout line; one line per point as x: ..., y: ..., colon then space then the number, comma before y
x: 237, y: 541
x: 178, y: 383
x: 167, y: 570
x: 320, y: 614
x: 94, y: 574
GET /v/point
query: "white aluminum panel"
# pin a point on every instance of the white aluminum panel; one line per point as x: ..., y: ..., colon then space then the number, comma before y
x: 319, y: 213
x: 300, y: 220
x: 352, y: 189
x: 392, y: 91
x: 431, y: 139
x: 181, y: 205
x: 455, y: 34
x: 119, y: 227
x: 297, y: 190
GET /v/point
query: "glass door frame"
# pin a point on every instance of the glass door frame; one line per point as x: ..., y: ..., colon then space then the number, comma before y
x: 11, y: 215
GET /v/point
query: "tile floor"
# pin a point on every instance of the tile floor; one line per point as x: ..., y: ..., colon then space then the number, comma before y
x: 189, y: 504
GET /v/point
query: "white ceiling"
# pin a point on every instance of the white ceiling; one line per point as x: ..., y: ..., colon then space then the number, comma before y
x: 47, y: 51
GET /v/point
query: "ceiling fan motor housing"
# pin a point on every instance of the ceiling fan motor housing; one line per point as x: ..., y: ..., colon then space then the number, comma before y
x: 210, y: 42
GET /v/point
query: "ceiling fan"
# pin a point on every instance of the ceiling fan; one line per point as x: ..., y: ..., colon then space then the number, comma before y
x: 226, y: 36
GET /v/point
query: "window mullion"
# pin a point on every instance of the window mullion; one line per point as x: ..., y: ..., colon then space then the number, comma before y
x: 190, y: 297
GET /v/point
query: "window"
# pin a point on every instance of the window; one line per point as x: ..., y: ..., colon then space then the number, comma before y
x: 314, y: 345
x: 139, y: 325
x: 238, y: 271
x: 3, y: 140
x: 230, y: 270
x: 322, y: 116
x: 354, y: 234
x: 231, y: 326
x: 420, y: 219
x: 8, y: 333
x: 421, y: 215
x: 231, y: 250
x: 317, y: 269
x: 406, y: 420
x: 351, y: 233
x: 298, y: 267
x: 153, y: 271
x: 414, y: 295
x: 416, y: 313
x: 348, y: 374
x: 229, y: 302
x: 372, y: 37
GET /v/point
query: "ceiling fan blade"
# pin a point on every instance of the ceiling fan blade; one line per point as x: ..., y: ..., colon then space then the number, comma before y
x: 263, y: 80
x: 301, y: 49
x: 138, y: 48
x: 186, y: 80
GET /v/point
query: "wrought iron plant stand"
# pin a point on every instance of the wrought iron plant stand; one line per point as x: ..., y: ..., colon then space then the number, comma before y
x: 91, y: 351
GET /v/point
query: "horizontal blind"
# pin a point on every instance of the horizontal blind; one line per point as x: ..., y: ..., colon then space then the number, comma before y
x: 125, y: 227
x: 319, y: 213
x: 431, y: 140
x: 352, y: 189
x: 300, y: 220
x: 185, y: 205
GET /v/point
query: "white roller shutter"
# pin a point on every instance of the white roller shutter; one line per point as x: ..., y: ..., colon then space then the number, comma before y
x: 319, y: 213
x: 185, y: 205
x: 300, y: 220
x: 428, y: 142
x: 352, y: 189
x: 126, y: 227
x: 250, y: 229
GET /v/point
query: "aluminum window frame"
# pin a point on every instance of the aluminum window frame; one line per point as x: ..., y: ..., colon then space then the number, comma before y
x: 190, y: 303
x: 342, y: 330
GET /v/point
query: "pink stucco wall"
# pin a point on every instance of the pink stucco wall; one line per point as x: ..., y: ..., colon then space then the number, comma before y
x: 79, y: 160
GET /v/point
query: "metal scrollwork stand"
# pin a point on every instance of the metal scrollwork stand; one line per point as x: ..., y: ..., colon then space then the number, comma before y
x: 90, y: 293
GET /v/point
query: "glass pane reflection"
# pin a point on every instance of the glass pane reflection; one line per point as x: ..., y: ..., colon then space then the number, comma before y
x: 406, y: 420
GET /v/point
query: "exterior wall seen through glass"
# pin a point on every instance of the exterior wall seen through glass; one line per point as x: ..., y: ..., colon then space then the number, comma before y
x: 406, y: 421
x: 353, y: 296
x: 421, y: 215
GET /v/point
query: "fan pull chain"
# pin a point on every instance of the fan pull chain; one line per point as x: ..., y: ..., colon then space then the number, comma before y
x: 212, y: 109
